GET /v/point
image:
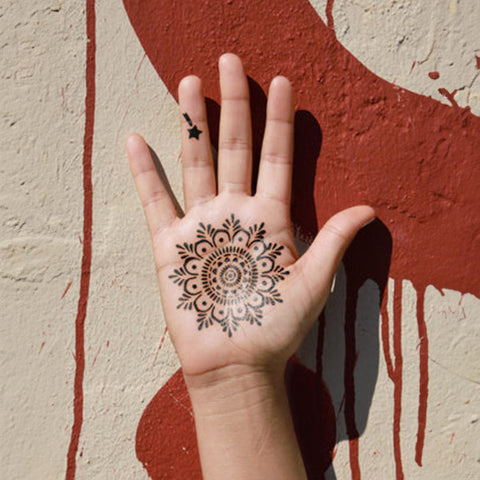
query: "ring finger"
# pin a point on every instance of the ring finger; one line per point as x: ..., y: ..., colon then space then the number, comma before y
x: 197, y: 161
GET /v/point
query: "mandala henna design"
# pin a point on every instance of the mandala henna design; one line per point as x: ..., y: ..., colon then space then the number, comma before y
x: 229, y: 274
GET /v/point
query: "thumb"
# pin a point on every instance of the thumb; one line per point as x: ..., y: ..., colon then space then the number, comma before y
x: 320, y: 262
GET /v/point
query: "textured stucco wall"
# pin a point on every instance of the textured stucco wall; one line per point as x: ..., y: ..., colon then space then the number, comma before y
x: 433, y: 282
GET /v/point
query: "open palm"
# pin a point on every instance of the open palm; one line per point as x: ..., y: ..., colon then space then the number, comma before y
x: 233, y: 289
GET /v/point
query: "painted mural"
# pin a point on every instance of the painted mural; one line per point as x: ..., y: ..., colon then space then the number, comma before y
x: 364, y: 127
x: 361, y: 386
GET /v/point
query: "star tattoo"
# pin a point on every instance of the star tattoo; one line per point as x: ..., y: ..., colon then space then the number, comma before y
x: 193, y: 132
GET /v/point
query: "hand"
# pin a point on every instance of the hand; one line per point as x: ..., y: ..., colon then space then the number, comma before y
x: 234, y: 292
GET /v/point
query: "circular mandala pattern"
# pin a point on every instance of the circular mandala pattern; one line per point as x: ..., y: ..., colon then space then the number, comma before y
x: 228, y: 275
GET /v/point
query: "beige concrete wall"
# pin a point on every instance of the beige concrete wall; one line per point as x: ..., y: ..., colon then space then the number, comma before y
x: 41, y: 217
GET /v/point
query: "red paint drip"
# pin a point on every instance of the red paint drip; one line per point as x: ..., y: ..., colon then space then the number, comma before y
x: 434, y: 75
x: 450, y: 96
x: 423, y: 387
x: 394, y: 370
x: 349, y: 380
x: 386, y: 340
x: 478, y: 61
x: 87, y: 243
x: 329, y: 14
x: 398, y: 375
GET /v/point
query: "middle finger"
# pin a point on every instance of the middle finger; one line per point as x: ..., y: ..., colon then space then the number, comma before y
x: 235, y: 137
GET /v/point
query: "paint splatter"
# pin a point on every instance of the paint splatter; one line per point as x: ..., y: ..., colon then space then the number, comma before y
x: 434, y: 75
x: 87, y: 243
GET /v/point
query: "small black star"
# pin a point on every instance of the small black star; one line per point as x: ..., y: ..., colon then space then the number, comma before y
x: 194, y: 132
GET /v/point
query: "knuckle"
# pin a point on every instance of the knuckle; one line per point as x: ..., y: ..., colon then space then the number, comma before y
x: 155, y: 197
x: 277, y: 158
x: 197, y: 161
x: 273, y: 197
x: 143, y: 173
x: 234, y: 143
x: 336, y: 231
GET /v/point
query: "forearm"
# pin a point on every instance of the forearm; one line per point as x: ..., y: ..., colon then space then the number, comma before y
x: 244, y: 427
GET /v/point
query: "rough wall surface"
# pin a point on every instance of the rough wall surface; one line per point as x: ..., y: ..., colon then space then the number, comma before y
x: 389, y: 106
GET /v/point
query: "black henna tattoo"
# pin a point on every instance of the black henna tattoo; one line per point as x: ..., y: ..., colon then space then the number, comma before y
x: 193, y: 132
x: 229, y: 274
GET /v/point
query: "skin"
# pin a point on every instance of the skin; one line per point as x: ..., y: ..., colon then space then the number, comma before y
x: 236, y: 385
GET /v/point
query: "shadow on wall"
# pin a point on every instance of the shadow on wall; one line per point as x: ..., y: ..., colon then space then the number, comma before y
x: 332, y: 380
x: 327, y: 405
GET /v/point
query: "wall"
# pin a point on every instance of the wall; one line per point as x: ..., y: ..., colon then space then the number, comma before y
x: 388, y: 95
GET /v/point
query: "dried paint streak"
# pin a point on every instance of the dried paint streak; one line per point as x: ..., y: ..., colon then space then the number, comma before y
x: 423, y: 387
x: 398, y: 375
x: 349, y: 379
x: 394, y: 369
x: 67, y: 289
x: 87, y: 243
x: 329, y: 14
x: 160, y: 345
x: 386, y: 340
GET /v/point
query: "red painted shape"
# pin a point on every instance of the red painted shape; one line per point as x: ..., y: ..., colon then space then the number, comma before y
x: 87, y: 243
x: 329, y: 14
x: 414, y: 159
x: 166, y: 442
x: 434, y: 75
x: 423, y: 387
x: 478, y: 61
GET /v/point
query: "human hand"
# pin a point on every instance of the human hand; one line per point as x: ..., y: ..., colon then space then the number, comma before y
x: 234, y: 292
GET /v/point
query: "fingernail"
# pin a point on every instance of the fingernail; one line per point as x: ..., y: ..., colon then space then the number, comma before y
x: 369, y: 222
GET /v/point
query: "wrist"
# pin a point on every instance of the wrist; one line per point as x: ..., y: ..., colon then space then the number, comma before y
x: 244, y: 427
x: 235, y: 388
